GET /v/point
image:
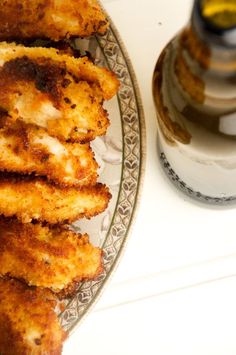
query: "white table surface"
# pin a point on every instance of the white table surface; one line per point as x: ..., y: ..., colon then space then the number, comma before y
x: 174, y: 290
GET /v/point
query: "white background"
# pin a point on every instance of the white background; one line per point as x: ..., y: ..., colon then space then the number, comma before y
x: 174, y: 291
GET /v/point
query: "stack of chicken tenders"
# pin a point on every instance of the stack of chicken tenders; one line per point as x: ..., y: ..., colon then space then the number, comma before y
x: 51, y: 107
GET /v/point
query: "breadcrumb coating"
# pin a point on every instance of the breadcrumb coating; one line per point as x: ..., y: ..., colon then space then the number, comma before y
x: 29, y: 149
x: 57, y: 92
x: 35, y: 199
x: 54, y: 258
x: 28, y: 323
x: 54, y: 19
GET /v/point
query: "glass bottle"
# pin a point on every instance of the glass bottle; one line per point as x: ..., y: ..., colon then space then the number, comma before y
x: 194, y: 90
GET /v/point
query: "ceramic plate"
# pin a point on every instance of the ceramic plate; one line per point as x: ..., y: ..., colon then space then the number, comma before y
x: 120, y: 156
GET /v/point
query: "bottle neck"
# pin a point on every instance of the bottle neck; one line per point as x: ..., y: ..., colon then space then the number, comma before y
x: 204, y: 69
x: 220, y: 60
x: 211, y: 37
x: 215, y: 22
x: 206, y: 74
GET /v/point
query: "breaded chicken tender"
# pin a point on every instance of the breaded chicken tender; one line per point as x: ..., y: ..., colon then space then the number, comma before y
x: 54, y: 19
x: 35, y: 199
x: 59, y: 93
x: 28, y: 323
x: 54, y: 258
x: 29, y: 149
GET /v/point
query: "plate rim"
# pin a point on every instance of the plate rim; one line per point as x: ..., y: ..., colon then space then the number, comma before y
x: 142, y: 165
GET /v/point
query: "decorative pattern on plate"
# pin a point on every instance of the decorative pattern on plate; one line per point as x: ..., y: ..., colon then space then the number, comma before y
x: 188, y: 190
x: 121, y: 163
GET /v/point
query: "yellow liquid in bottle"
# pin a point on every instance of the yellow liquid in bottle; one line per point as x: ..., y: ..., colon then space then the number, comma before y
x: 221, y: 13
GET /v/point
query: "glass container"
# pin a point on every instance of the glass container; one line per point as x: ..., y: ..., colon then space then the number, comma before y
x: 194, y: 90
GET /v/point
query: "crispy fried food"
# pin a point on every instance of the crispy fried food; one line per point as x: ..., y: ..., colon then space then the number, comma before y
x: 29, y: 149
x: 57, y: 92
x: 28, y: 323
x: 35, y: 199
x: 55, y: 257
x: 55, y: 19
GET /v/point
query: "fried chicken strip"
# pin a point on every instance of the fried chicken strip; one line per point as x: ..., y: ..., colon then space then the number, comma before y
x: 35, y: 199
x: 28, y: 323
x: 57, y: 92
x: 31, y: 150
x: 55, y: 19
x: 54, y: 258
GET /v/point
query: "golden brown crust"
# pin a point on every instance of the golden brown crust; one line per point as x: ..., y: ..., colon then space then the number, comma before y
x: 28, y: 323
x: 35, y: 199
x: 60, y: 93
x: 54, y: 19
x: 29, y: 149
x: 49, y: 257
x: 82, y: 68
